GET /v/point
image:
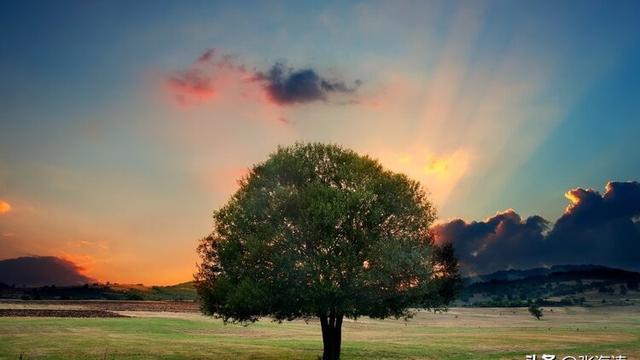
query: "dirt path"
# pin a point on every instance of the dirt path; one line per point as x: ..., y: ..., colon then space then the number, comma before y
x: 59, y: 313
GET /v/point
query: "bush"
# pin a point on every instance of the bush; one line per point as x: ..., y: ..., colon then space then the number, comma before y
x: 535, y: 311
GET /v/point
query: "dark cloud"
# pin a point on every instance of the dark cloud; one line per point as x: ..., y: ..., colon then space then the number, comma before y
x: 595, y: 229
x: 602, y: 229
x: 287, y: 86
x: 40, y: 271
x: 502, y: 241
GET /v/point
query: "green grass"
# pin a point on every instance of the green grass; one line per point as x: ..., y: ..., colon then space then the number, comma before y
x: 459, y: 334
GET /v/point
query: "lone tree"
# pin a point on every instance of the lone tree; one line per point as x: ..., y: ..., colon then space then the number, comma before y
x: 320, y: 231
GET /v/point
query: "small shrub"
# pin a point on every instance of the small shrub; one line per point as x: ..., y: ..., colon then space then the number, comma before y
x: 535, y: 311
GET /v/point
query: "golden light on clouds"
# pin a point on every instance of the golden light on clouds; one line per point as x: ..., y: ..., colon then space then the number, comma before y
x: 572, y: 197
x: 577, y: 195
x: 5, y: 207
x: 443, y: 172
x: 439, y: 173
x: 437, y: 166
x: 449, y: 167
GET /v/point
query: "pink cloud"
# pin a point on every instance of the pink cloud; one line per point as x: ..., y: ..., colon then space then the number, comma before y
x: 210, y: 77
x: 190, y: 86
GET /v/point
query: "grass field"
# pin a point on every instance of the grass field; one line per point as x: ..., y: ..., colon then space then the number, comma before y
x: 462, y: 333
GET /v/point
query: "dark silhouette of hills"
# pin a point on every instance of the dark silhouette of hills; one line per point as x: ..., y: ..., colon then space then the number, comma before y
x: 97, y: 291
x: 515, y: 274
x: 557, y: 285
x: 30, y: 271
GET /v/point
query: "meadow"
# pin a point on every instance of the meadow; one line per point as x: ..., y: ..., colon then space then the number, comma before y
x: 460, y: 333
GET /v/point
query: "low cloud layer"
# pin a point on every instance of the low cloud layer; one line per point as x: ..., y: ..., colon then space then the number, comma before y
x: 597, y: 229
x: 214, y: 73
x: 40, y: 271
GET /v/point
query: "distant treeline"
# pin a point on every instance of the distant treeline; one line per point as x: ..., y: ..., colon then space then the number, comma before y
x: 583, y: 285
x: 97, y: 291
x: 571, y: 287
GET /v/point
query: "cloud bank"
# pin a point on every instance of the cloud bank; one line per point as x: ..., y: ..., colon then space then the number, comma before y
x: 597, y: 229
x: 40, y: 271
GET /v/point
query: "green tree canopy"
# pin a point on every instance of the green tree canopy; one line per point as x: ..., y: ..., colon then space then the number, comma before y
x: 320, y: 231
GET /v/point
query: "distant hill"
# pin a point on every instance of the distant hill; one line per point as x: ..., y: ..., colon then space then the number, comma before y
x: 184, y: 291
x: 30, y: 271
x: 586, y: 285
x: 516, y: 274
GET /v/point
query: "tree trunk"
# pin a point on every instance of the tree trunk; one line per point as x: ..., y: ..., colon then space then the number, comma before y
x: 331, y: 335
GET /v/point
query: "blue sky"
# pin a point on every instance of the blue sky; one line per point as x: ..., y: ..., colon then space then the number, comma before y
x: 490, y: 104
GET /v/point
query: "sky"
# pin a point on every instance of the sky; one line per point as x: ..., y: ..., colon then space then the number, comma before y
x: 124, y: 125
